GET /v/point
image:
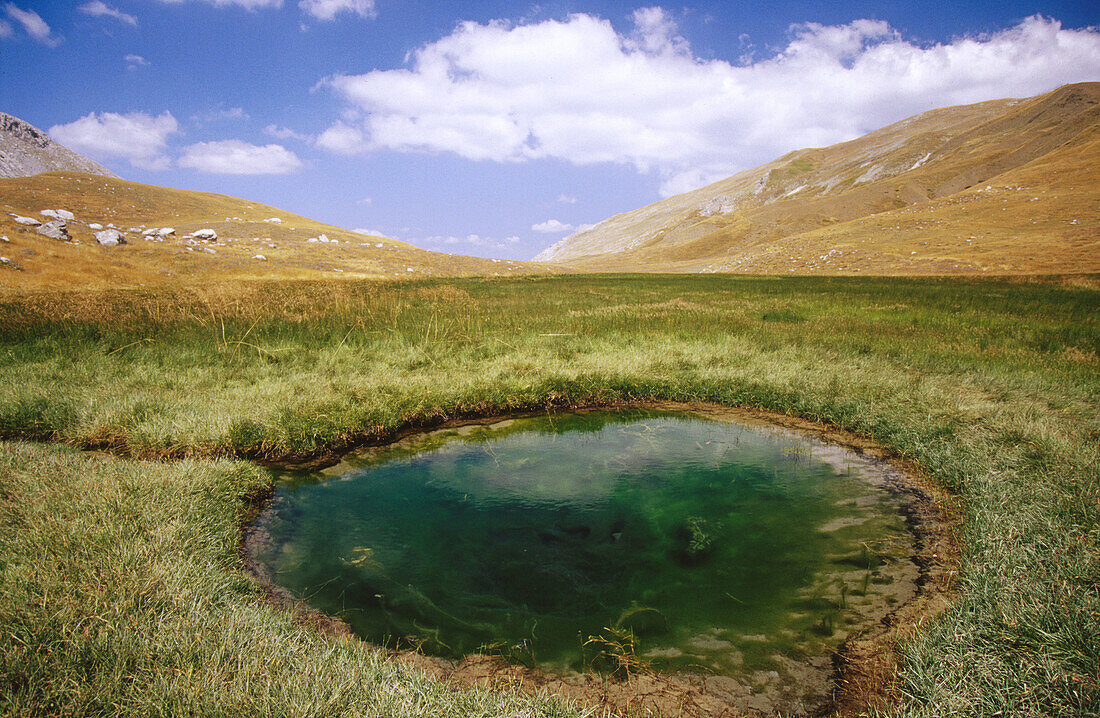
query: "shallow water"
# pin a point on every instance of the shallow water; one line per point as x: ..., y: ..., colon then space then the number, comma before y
x: 718, y: 546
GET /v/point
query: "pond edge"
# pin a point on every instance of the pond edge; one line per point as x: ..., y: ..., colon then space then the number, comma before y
x: 866, y: 667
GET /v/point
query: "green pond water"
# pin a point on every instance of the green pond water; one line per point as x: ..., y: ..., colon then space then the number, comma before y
x: 716, y: 545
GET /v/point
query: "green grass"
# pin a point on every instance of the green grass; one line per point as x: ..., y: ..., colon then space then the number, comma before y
x: 121, y: 585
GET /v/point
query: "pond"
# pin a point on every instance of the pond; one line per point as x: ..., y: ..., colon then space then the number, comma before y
x: 694, y: 544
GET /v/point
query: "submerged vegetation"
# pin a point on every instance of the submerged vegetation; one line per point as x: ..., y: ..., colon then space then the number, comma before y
x: 121, y: 590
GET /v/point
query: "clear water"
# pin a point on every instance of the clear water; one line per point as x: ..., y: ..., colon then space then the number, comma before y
x: 715, y: 544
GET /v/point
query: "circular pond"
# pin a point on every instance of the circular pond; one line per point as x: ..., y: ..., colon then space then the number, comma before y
x: 692, y: 544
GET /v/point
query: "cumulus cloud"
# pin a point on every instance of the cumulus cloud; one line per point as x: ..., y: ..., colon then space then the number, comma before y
x: 136, y: 137
x: 234, y: 157
x: 329, y: 9
x: 98, y: 8
x: 552, y: 226
x: 133, y: 61
x: 567, y: 199
x: 369, y: 232
x: 32, y: 24
x: 577, y: 90
x: 342, y: 139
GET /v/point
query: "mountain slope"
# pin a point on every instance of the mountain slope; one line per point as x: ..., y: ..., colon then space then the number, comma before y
x: 908, y: 198
x: 27, y: 150
x: 248, y: 243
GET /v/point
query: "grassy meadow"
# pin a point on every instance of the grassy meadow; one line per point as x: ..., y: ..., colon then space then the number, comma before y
x: 121, y: 585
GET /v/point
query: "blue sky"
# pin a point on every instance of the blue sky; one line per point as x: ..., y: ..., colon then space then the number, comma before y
x: 496, y: 128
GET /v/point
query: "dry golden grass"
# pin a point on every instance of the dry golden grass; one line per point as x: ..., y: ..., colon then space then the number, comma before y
x: 39, y: 262
x: 1040, y: 215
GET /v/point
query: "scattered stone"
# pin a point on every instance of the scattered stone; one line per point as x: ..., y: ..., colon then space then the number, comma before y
x: 58, y: 214
x: 259, y: 256
x: 29, y: 221
x: 95, y: 225
x: 148, y: 232
x: 274, y: 220
x: 204, y: 234
x: 110, y: 238
x: 165, y: 231
x: 54, y: 230
x: 5, y: 260
x: 4, y: 238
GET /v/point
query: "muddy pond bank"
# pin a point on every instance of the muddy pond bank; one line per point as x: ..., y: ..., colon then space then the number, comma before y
x: 853, y: 674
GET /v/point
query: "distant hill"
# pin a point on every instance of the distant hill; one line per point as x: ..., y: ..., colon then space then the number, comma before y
x: 1008, y: 186
x: 27, y: 150
x: 252, y: 240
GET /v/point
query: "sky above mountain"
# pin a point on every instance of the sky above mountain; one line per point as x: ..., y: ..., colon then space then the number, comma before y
x: 496, y: 128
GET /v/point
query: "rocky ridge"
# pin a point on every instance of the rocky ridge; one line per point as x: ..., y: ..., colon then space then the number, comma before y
x: 26, y: 150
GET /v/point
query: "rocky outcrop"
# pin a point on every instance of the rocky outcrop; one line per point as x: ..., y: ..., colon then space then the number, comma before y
x: 26, y: 150
x: 54, y: 230
x: 110, y: 238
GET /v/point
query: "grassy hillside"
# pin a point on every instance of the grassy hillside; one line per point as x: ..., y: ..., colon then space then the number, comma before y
x: 997, y: 187
x: 122, y: 593
x: 40, y: 262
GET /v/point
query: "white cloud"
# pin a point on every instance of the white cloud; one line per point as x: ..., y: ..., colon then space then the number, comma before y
x: 328, y: 9
x: 471, y: 239
x: 233, y: 113
x: 567, y: 199
x: 6, y: 29
x: 577, y: 90
x: 33, y: 25
x: 342, y: 139
x: 98, y: 8
x: 136, y: 137
x: 135, y: 61
x: 285, y: 133
x: 234, y: 157
x: 369, y: 232
x: 552, y: 226
x: 246, y: 4
x: 366, y: 200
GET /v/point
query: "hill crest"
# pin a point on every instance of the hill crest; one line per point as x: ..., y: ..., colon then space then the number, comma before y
x: 791, y: 213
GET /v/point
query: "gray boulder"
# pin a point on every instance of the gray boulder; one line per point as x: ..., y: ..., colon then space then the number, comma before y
x: 29, y: 221
x: 204, y: 234
x: 110, y: 238
x: 58, y: 214
x: 54, y: 230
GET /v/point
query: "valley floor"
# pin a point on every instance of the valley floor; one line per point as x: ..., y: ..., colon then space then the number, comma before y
x: 131, y: 420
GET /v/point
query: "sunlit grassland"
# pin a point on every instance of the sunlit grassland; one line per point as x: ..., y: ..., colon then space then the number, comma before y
x: 121, y: 590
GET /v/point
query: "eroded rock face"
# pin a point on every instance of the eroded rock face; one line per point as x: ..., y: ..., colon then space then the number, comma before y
x: 110, y: 238
x: 26, y: 150
x: 54, y: 230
